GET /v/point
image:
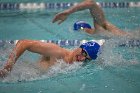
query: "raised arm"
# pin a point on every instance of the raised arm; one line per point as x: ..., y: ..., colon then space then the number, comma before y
x: 100, y: 23
x: 95, y: 11
x: 45, y: 49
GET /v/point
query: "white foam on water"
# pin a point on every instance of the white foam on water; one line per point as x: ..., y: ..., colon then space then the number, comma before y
x: 25, y: 71
x: 63, y: 67
x: 113, y: 55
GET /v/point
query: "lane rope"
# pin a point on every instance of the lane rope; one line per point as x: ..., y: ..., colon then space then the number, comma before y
x: 43, y: 5
x: 65, y: 43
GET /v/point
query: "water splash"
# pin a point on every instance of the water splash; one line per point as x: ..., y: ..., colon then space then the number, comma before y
x: 25, y: 71
x: 112, y: 55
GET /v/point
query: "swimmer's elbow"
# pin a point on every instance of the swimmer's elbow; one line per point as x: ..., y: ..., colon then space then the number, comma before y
x: 21, y: 42
x: 90, y: 3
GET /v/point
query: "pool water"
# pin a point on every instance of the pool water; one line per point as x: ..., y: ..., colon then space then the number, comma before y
x: 37, y: 24
x: 117, y: 69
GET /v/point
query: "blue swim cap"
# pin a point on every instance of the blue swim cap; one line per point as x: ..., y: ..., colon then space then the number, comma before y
x: 80, y: 25
x: 91, y: 48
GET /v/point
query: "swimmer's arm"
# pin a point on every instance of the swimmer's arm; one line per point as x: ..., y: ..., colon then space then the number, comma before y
x: 89, y: 31
x: 86, y: 4
x: 95, y: 10
x: 115, y: 30
x: 45, y: 49
x: 14, y: 55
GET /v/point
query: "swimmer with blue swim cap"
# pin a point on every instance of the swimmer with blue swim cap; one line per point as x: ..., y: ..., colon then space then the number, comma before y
x: 100, y: 23
x: 84, y: 26
x: 51, y: 53
x: 91, y: 49
x: 81, y: 25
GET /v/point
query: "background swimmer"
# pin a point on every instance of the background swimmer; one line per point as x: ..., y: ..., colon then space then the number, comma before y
x: 51, y: 53
x: 100, y: 23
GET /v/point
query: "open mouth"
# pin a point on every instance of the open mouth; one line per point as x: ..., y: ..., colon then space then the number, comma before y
x: 78, y: 58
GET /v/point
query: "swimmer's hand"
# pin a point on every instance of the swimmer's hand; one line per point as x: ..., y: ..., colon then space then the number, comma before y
x: 7, y: 68
x: 60, y: 17
x: 3, y: 73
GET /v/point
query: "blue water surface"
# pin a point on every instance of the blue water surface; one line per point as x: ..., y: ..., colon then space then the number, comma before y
x: 117, y: 69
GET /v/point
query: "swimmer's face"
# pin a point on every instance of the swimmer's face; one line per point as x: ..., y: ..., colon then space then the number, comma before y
x: 83, y: 56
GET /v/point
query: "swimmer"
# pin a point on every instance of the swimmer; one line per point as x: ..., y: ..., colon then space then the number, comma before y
x: 100, y: 23
x: 51, y: 52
